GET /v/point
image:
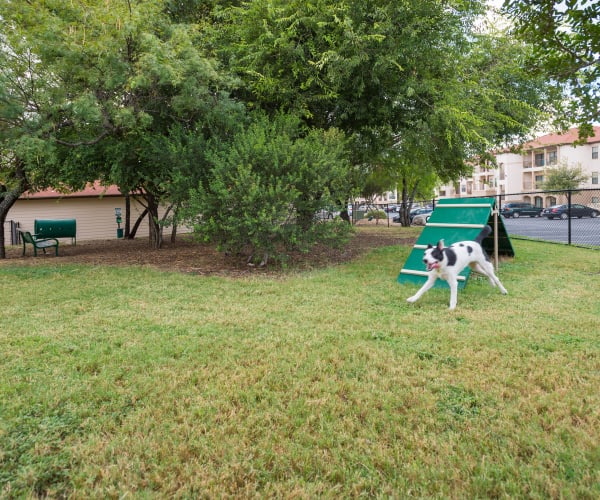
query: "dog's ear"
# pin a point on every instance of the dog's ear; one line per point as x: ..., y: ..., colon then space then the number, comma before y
x: 429, y: 245
x: 440, y: 244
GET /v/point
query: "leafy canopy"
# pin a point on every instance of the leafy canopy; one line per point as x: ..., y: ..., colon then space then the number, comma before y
x: 566, y: 37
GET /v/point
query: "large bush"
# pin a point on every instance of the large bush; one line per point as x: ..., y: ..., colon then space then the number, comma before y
x: 266, y: 185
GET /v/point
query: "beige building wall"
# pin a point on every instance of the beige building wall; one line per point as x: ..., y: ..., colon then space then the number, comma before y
x: 525, y: 172
x: 95, y: 216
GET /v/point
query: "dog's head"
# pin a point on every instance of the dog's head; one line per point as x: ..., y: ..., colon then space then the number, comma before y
x: 434, y: 256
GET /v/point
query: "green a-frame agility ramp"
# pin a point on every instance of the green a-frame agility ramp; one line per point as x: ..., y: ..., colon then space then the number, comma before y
x: 457, y: 219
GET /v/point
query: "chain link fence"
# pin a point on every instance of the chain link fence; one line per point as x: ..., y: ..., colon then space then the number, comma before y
x: 11, y: 235
x: 568, y: 216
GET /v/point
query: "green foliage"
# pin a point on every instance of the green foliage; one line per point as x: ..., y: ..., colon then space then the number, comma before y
x: 350, y: 64
x: 132, y: 92
x: 265, y: 186
x: 564, y: 177
x: 414, y: 77
x: 566, y: 40
x: 105, y: 84
x: 376, y: 214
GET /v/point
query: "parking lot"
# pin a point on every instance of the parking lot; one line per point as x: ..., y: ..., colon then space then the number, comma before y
x: 584, y: 231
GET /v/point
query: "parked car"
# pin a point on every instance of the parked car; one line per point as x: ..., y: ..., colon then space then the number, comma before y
x: 577, y: 210
x: 419, y: 211
x: 520, y: 209
x: 413, y: 213
x: 421, y: 219
x: 328, y: 213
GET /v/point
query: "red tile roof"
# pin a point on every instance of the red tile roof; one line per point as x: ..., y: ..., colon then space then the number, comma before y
x: 91, y: 190
x: 569, y: 137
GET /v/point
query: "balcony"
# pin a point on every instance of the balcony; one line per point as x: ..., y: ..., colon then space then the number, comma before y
x: 484, y: 190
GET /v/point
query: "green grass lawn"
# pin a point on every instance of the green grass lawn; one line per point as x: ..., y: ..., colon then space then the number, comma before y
x: 133, y: 382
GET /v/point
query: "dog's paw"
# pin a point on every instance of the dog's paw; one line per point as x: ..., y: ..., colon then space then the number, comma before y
x: 412, y: 299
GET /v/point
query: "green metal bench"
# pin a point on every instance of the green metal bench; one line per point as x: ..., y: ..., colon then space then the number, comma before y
x: 58, y: 228
x: 41, y: 243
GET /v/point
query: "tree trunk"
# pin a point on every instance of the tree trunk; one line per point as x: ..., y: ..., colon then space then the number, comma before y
x: 139, y: 220
x: 127, y: 216
x: 155, y: 229
x: 407, y: 201
x: 9, y: 198
x: 174, y: 227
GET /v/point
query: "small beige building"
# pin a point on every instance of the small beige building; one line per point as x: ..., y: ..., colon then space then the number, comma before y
x: 93, y: 209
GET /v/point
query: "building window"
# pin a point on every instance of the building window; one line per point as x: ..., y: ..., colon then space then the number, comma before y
x: 552, y: 158
x: 594, y: 177
x: 539, y: 180
x: 539, y: 159
x: 594, y: 152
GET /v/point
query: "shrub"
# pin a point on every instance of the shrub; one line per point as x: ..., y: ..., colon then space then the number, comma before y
x: 376, y: 214
x: 265, y: 187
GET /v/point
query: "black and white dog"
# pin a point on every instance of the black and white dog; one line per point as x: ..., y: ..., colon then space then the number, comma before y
x: 447, y: 262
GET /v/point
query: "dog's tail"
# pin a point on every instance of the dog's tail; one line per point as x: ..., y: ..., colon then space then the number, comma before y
x: 483, y: 234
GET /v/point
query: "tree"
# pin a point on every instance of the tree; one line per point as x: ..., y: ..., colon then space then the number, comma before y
x: 26, y: 159
x: 121, y: 76
x: 362, y: 67
x: 564, y: 177
x: 130, y: 85
x: 566, y: 40
x: 414, y: 76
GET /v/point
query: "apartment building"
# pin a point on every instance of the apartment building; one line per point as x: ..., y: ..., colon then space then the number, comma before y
x: 525, y: 172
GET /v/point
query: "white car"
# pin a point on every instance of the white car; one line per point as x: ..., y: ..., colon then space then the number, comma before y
x: 421, y: 219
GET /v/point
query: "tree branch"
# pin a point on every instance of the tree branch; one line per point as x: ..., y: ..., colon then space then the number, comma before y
x: 83, y: 143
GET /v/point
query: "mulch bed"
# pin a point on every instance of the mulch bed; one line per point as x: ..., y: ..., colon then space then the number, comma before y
x: 188, y: 256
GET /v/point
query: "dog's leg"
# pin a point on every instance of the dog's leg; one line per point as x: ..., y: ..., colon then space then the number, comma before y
x: 484, y: 271
x: 487, y: 269
x: 453, y: 282
x: 500, y: 285
x: 428, y: 284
